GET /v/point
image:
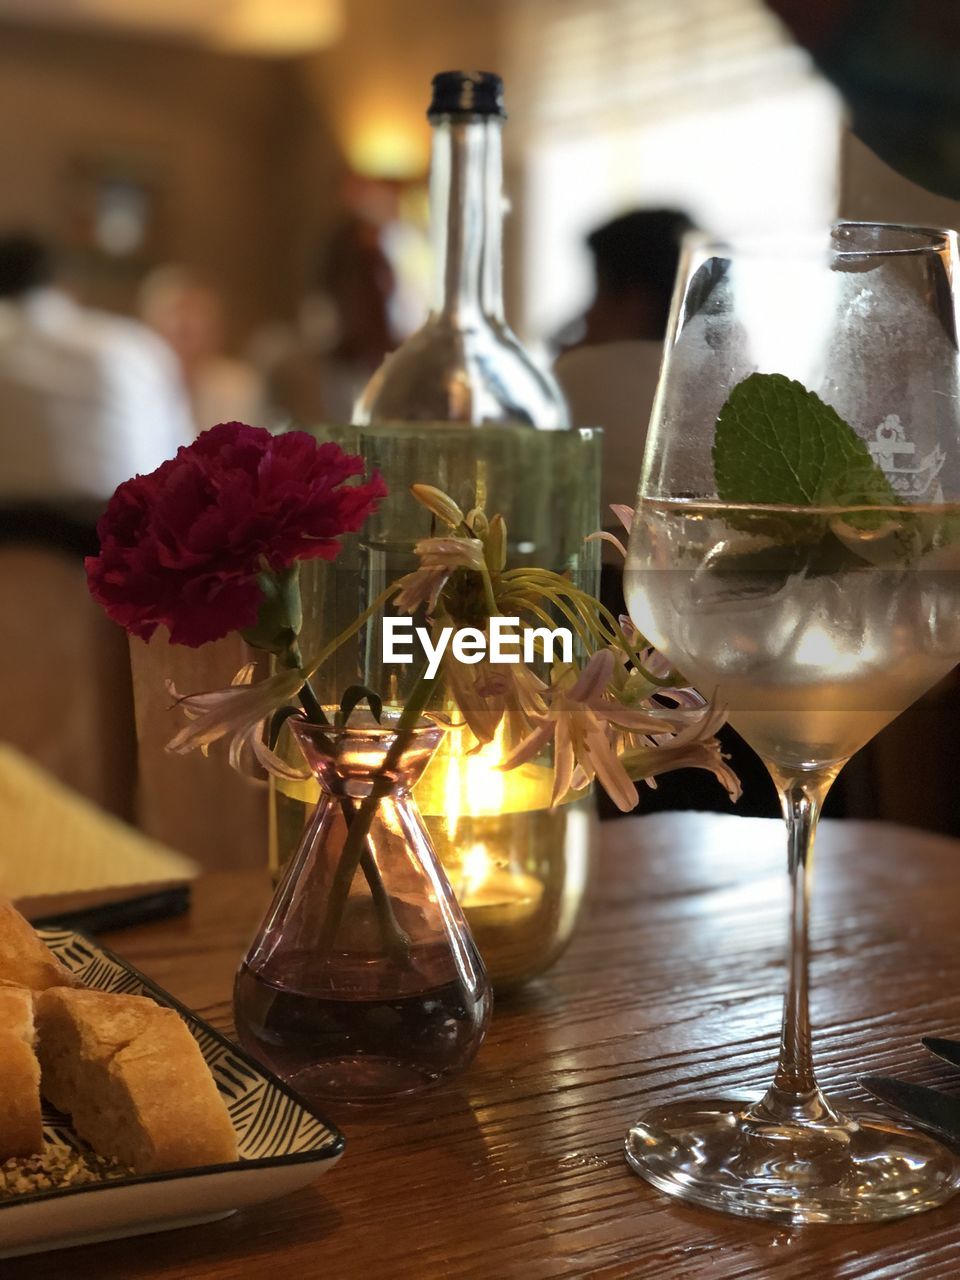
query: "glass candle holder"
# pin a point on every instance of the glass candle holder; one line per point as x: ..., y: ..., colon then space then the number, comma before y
x: 518, y: 867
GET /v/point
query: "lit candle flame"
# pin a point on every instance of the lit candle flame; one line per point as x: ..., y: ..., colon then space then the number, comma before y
x: 461, y: 782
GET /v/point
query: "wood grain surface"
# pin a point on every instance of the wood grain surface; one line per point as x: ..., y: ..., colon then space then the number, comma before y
x: 671, y: 988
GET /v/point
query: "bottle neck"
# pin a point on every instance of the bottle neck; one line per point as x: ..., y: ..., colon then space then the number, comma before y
x: 466, y: 179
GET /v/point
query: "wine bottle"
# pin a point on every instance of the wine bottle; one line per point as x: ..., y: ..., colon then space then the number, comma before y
x: 464, y: 364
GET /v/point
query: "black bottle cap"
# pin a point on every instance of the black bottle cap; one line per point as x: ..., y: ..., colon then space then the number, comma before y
x: 472, y: 93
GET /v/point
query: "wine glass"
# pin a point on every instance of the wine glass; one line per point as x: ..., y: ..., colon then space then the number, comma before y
x: 795, y: 554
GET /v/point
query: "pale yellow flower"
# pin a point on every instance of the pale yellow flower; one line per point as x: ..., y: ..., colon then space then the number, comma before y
x: 240, y: 712
x: 485, y: 692
x: 439, y: 558
x: 466, y: 684
x: 645, y: 762
x: 585, y: 723
x: 625, y: 515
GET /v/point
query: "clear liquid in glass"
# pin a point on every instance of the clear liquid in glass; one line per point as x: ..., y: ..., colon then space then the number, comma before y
x: 813, y: 627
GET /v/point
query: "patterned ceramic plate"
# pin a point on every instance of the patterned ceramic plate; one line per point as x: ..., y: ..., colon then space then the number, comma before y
x: 282, y: 1145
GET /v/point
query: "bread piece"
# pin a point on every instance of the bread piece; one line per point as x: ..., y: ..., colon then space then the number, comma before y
x: 24, y: 959
x: 133, y: 1079
x: 21, y: 1130
x: 16, y: 1014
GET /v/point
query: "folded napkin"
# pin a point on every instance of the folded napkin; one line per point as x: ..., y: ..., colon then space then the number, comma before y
x: 53, y: 841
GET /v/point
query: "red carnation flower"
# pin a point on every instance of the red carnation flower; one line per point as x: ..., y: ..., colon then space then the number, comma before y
x: 182, y: 547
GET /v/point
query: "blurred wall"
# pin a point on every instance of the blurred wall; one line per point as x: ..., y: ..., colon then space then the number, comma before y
x: 870, y: 190
x: 374, y: 83
x: 249, y: 154
x: 224, y: 136
x: 370, y: 90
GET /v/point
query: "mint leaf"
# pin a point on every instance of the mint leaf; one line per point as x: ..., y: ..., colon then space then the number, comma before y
x: 776, y: 443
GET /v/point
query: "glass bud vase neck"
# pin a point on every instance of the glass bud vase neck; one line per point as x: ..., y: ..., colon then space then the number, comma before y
x: 363, y: 981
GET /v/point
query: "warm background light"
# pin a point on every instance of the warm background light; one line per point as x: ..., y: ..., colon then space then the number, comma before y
x: 278, y: 27
x: 374, y: 85
x: 265, y: 27
x: 379, y: 147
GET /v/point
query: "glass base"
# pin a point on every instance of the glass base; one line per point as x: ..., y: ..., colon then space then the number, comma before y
x: 853, y: 1166
x: 366, y: 1079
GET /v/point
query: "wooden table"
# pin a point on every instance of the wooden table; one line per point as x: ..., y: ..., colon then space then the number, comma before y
x: 672, y: 987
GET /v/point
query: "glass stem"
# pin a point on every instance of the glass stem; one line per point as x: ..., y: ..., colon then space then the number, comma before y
x: 795, y: 1095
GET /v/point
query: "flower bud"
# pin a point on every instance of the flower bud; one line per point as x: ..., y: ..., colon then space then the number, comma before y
x: 495, y: 545
x: 438, y: 503
x: 477, y: 522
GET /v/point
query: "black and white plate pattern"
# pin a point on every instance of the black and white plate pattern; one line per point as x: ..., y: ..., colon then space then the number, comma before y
x: 282, y: 1145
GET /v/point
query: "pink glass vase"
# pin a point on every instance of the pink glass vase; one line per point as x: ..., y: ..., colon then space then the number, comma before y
x: 363, y: 981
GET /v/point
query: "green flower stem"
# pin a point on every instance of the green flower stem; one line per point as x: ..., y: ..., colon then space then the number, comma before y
x: 589, y: 617
x: 664, y: 682
x: 605, y: 622
x: 395, y: 938
x: 357, y: 849
x: 555, y: 587
x: 488, y: 592
x: 602, y: 624
x: 573, y: 618
x: 308, y: 699
x: 314, y: 665
x: 359, y: 827
x: 595, y: 614
x: 542, y: 616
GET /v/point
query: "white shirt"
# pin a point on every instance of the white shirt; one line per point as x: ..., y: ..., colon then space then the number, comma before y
x: 87, y: 400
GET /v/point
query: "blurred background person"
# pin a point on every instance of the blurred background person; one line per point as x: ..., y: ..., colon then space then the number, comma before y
x: 609, y: 370
x: 187, y: 312
x: 346, y: 328
x: 87, y: 399
x: 635, y: 259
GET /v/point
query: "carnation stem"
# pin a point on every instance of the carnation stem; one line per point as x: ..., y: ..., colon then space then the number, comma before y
x: 308, y: 699
x: 395, y: 938
x: 314, y: 665
x: 359, y: 828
